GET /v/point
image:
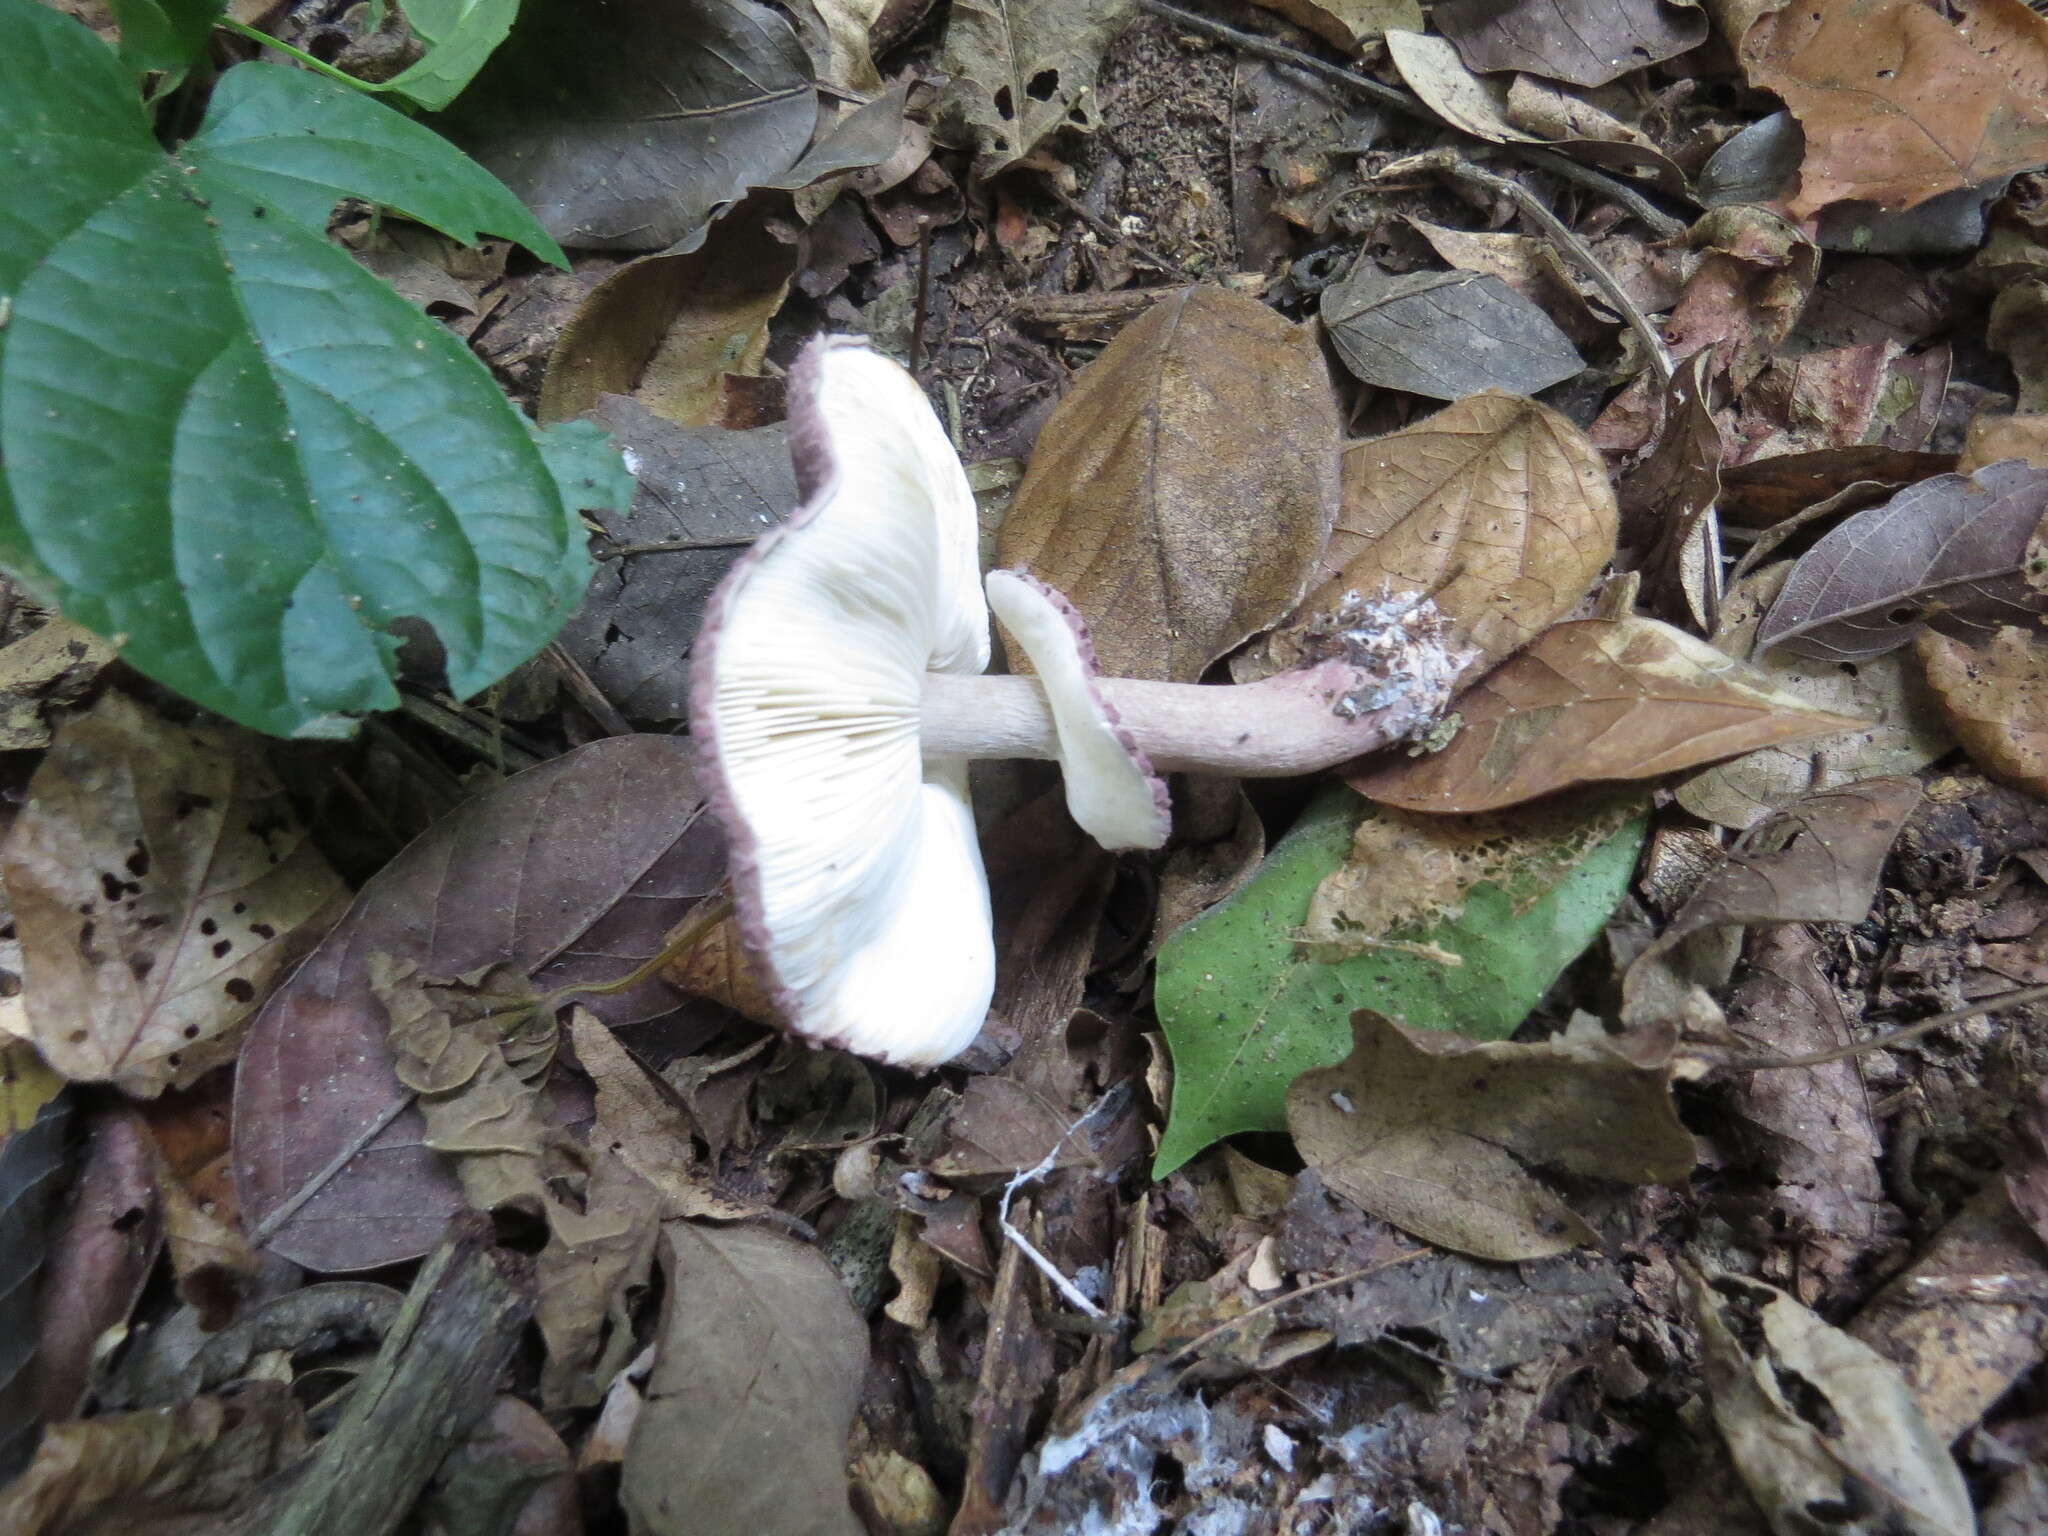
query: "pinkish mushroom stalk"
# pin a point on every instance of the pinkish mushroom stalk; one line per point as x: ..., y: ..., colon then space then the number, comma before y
x: 1386, y: 675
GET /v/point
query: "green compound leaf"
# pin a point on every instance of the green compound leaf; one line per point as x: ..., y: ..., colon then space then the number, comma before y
x: 460, y: 35
x: 222, y: 442
x: 1247, y: 1009
x: 164, y: 35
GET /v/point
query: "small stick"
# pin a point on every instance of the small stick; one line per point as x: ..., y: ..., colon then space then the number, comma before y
x: 676, y: 546
x: 583, y: 688
x: 1110, y: 232
x: 2018, y: 998
x: 924, y: 295
x: 1661, y: 223
x: 1561, y: 235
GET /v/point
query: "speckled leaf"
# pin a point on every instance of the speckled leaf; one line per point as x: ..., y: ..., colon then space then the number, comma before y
x: 160, y: 882
x: 1247, y: 1007
x: 1995, y: 697
x: 1182, y: 490
x: 1497, y: 507
x: 1444, y: 334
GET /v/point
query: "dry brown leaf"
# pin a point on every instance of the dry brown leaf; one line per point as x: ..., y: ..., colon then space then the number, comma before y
x: 758, y: 1375
x: 1596, y: 700
x: 1900, y: 100
x: 1995, y: 698
x: 1810, y: 1133
x: 640, y: 1124
x: 211, y: 1260
x: 1437, y: 1135
x: 159, y: 882
x: 1815, y: 862
x: 128, y: 1474
x: 1182, y: 490
x: 1498, y: 508
x: 667, y: 328
x: 1904, y: 730
x: 1824, y: 1429
x: 596, y: 1261
x: 1953, y: 550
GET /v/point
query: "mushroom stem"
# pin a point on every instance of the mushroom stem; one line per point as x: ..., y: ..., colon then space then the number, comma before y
x: 1292, y: 723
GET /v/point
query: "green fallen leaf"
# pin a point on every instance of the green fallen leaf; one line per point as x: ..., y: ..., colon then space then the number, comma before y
x: 1247, y: 1007
x: 224, y: 443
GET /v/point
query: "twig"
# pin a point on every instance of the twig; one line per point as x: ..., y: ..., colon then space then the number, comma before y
x: 1110, y: 232
x: 1662, y: 224
x: 583, y: 688
x: 2015, y: 999
x: 924, y: 297
x: 1451, y: 163
x: 497, y: 746
x: 1080, y: 1303
x: 676, y: 546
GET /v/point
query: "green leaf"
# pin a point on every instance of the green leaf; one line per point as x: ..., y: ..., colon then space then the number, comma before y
x: 1247, y: 1009
x: 460, y: 35
x: 164, y: 36
x: 221, y: 441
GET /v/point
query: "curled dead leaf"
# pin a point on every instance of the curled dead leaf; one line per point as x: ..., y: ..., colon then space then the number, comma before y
x: 1437, y: 1135
x: 1819, y: 1423
x: 1595, y: 700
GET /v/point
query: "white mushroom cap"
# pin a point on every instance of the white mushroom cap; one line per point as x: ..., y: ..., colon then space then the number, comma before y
x: 857, y: 881
x: 1111, y: 789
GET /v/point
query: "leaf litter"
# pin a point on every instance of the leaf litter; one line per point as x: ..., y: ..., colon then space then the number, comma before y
x: 1111, y: 246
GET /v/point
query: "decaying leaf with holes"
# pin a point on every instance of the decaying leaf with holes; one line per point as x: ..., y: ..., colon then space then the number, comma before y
x: 1590, y: 701
x: 1438, y: 1134
x: 1019, y: 71
x: 160, y: 883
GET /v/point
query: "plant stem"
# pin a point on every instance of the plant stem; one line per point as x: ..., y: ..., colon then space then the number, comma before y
x: 318, y: 66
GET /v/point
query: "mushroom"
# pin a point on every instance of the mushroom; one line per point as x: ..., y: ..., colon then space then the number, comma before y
x: 838, y: 693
